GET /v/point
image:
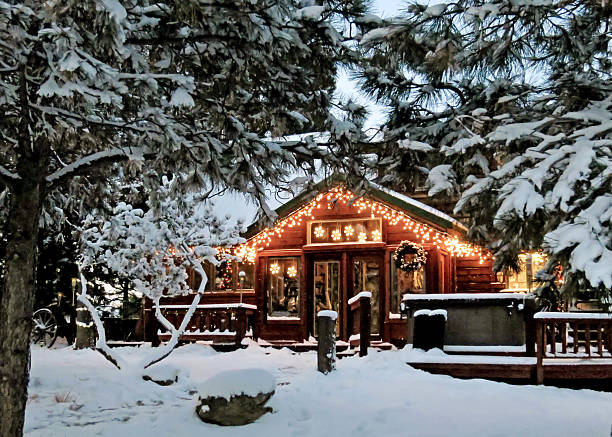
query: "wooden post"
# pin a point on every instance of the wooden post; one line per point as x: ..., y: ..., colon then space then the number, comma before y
x: 539, y: 352
x: 365, y: 321
x: 241, y: 325
x: 326, y: 349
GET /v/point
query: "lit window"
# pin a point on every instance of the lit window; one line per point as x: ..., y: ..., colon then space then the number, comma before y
x: 403, y: 283
x: 283, y: 287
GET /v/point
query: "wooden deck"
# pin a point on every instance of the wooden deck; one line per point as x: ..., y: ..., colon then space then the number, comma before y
x: 523, y: 370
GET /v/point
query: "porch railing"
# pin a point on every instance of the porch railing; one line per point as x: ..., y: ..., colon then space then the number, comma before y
x: 219, y: 323
x: 571, y: 335
x: 359, y: 321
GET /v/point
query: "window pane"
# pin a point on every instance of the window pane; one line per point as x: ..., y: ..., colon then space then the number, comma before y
x: 404, y: 282
x: 283, y: 287
x: 223, y: 276
x: 246, y: 276
x: 345, y: 231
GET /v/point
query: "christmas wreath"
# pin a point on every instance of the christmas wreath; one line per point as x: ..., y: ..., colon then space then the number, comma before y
x: 415, y: 262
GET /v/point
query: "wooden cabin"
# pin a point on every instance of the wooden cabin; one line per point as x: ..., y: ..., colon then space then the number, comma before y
x: 328, y: 245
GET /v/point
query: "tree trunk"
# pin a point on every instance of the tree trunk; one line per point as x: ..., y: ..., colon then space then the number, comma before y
x: 85, y: 328
x: 17, y: 299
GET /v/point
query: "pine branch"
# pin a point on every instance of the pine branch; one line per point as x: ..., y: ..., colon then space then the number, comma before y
x: 96, y: 160
x: 7, y: 177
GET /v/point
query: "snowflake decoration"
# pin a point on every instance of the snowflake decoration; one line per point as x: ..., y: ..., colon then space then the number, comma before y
x: 363, y: 236
x: 376, y: 235
x: 274, y: 268
x: 319, y: 231
x: 349, y: 231
x: 336, y: 235
x: 292, y: 272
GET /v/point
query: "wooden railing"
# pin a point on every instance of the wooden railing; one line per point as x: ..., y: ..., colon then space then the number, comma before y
x: 571, y: 335
x: 359, y: 320
x: 220, y: 323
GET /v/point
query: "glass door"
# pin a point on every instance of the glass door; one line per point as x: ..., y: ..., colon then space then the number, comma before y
x: 366, y: 277
x: 326, y: 284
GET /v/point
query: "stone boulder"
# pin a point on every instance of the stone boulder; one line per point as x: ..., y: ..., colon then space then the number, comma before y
x: 235, y: 397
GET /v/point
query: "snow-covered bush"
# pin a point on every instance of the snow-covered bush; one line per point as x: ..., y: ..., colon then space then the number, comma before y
x: 155, y: 249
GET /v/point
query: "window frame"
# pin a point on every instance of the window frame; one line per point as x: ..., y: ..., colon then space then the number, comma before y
x: 266, y: 283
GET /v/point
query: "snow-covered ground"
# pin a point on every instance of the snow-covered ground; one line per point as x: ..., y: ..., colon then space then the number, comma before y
x: 78, y: 393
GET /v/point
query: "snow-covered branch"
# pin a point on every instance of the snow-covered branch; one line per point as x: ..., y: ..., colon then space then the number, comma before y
x: 101, y: 345
x: 96, y: 159
x: 8, y: 177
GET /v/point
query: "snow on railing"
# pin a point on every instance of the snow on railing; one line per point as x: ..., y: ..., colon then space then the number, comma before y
x: 358, y: 296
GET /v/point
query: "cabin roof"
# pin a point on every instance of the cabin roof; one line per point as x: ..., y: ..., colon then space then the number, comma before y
x: 373, y: 191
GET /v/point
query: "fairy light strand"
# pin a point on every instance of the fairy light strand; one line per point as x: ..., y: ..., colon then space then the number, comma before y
x: 423, y: 232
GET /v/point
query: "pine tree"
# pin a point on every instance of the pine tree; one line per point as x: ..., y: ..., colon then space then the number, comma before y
x: 199, y: 86
x: 509, y: 104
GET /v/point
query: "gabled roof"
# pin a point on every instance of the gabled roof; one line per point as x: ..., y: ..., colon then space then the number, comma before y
x: 373, y: 191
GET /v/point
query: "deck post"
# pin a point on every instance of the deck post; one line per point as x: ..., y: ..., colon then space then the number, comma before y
x: 241, y: 327
x: 540, y: 351
x: 365, y: 321
x: 326, y: 348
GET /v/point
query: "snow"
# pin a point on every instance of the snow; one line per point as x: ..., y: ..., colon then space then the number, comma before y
x: 181, y: 97
x: 312, y: 13
x: 419, y: 205
x: 431, y: 313
x: 485, y: 349
x: 250, y: 382
x: 370, y: 396
x: 211, y: 306
x: 467, y: 296
x: 359, y: 295
x: 328, y: 313
x: 572, y: 316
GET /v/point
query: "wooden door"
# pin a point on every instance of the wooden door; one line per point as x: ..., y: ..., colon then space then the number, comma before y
x: 367, y: 274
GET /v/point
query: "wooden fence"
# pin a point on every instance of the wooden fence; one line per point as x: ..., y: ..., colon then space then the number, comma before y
x: 571, y: 335
x: 219, y: 323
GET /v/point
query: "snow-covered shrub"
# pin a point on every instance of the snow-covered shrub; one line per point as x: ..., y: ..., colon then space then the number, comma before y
x: 155, y: 249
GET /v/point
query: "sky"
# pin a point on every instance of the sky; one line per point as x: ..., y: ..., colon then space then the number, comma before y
x: 236, y: 205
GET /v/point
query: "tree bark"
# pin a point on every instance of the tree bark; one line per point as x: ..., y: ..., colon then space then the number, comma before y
x: 85, y: 328
x: 17, y: 299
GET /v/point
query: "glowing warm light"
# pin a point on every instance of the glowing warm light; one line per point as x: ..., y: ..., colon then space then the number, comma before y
x: 366, y: 208
x: 376, y: 235
x: 292, y: 272
x: 336, y: 235
x: 349, y: 231
x: 274, y: 268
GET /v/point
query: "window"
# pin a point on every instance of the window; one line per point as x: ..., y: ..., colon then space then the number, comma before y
x: 345, y: 231
x: 404, y: 282
x: 524, y: 280
x: 283, y: 287
x: 228, y: 276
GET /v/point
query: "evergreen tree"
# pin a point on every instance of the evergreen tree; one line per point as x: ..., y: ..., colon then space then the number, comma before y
x: 508, y: 103
x: 196, y: 85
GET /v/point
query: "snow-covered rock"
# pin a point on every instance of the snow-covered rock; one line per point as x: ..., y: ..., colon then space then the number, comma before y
x: 235, y: 397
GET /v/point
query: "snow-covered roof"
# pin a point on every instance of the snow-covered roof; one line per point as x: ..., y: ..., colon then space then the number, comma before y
x: 420, y: 205
x: 375, y: 191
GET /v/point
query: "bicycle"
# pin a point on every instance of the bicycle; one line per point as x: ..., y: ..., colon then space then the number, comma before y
x: 55, y: 320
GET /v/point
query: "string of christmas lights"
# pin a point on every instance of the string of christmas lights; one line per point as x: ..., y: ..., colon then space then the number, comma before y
x: 423, y: 232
